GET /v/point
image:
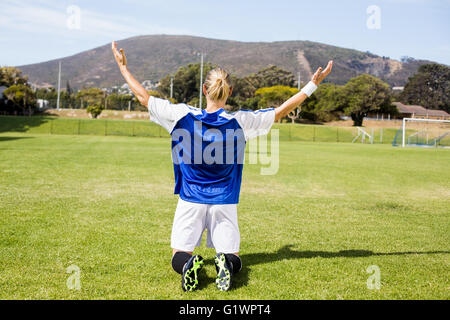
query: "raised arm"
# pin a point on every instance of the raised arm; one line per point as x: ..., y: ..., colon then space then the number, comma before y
x: 295, y: 101
x: 138, y: 90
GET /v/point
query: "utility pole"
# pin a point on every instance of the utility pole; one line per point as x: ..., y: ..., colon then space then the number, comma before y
x: 201, y: 82
x: 171, y: 88
x: 299, y: 81
x: 59, y: 87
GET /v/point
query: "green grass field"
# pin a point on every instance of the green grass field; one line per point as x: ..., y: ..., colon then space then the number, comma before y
x: 105, y: 204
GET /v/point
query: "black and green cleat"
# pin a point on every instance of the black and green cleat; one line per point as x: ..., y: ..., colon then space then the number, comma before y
x: 224, y: 272
x: 189, y: 278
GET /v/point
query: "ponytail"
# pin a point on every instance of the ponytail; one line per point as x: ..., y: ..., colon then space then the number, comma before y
x: 218, y: 84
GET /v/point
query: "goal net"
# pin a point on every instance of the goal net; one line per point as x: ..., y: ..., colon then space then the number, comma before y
x: 425, y: 133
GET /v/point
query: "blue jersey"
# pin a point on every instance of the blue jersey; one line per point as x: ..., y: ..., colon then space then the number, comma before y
x: 208, y: 148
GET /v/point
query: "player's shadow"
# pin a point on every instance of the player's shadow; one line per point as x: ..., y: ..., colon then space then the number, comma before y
x: 286, y: 253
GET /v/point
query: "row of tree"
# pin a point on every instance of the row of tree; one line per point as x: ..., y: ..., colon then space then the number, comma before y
x: 361, y: 96
x: 18, y: 97
x: 429, y: 88
x: 187, y: 78
x: 269, y: 87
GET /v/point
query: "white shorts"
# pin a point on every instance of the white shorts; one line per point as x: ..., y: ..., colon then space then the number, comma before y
x: 191, y: 219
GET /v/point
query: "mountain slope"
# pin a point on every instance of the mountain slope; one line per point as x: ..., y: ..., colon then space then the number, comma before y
x: 152, y: 57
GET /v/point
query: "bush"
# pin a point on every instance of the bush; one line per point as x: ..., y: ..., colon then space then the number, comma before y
x: 274, y: 96
x: 251, y: 103
x: 94, y: 110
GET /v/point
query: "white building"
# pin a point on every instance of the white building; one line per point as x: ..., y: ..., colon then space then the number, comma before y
x: 148, y: 85
x: 124, y: 89
x: 42, y: 104
x: 2, y: 88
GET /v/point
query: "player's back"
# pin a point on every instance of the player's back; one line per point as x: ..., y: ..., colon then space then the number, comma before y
x: 208, y: 148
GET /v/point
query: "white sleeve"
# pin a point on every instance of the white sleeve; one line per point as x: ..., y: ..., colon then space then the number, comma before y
x: 165, y: 114
x: 255, y: 123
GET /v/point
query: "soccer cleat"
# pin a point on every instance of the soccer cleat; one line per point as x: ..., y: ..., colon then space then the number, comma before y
x: 224, y: 272
x: 189, y: 278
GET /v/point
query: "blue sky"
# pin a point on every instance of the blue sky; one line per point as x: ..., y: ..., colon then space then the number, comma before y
x: 41, y: 30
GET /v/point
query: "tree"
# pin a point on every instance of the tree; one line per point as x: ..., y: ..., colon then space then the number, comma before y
x: 429, y: 87
x: 67, y: 100
x: 10, y: 76
x: 68, y: 88
x: 46, y: 93
x: 271, y: 76
x: 155, y: 94
x: 364, y: 94
x: 274, y: 96
x: 186, y: 82
x: 117, y: 101
x: 94, y: 110
x: 245, y: 88
x: 22, y: 97
x: 91, y: 96
x: 323, y: 104
x: 251, y: 103
x: 50, y: 94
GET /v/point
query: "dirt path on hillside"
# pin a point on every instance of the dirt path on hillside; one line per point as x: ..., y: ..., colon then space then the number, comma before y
x: 304, y: 65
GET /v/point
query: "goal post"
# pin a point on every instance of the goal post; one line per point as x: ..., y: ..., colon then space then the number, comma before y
x: 427, y: 132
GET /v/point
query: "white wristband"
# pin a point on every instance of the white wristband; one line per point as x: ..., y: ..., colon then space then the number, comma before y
x: 309, y: 88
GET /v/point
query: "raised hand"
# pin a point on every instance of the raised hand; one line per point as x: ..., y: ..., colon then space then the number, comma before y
x: 295, y: 101
x: 322, y: 74
x: 139, y: 91
x: 120, y: 57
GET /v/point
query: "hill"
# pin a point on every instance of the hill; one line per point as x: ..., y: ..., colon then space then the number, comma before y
x: 152, y: 57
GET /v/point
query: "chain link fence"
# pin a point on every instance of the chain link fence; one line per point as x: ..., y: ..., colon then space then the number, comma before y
x: 139, y: 128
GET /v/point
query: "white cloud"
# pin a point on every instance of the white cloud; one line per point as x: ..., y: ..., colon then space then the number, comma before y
x: 44, y: 17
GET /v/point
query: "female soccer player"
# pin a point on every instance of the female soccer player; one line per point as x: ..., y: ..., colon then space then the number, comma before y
x: 207, y: 152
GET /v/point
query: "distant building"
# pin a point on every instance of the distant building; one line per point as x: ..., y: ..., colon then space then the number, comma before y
x: 407, y: 111
x: 124, y: 89
x: 398, y: 89
x: 42, y: 104
x: 148, y: 85
x: 2, y: 88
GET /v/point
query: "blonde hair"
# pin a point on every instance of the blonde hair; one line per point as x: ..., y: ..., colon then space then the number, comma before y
x: 218, y: 84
